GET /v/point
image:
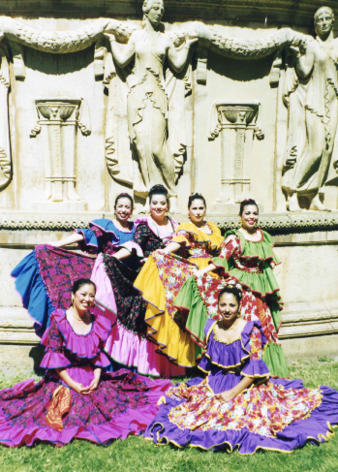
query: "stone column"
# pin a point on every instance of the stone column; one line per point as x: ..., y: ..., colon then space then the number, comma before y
x: 61, y: 117
x: 236, y: 122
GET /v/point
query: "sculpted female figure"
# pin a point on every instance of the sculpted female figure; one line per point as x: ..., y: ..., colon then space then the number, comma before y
x: 316, y: 92
x: 150, y: 47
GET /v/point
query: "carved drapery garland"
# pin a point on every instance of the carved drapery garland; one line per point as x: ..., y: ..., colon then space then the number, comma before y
x: 19, y: 33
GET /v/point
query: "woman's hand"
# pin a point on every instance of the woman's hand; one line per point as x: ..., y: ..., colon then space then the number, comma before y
x: 91, y: 387
x: 111, y: 37
x: 94, y: 383
x: 226, y: 396
x: 189, y: 42
x: 78, y: 387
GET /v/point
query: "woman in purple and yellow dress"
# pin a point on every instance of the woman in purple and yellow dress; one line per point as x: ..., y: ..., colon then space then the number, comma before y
x: 44, y: 277
x: 237, y: 403
x: 127, y: 343
x: 75, y: 398
x: 163, y: 275
x: 246, y: 256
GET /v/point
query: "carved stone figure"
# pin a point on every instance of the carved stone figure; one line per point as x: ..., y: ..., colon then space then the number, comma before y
x: 5, y: 147
x: 312, y: 97
x: 150, y: 47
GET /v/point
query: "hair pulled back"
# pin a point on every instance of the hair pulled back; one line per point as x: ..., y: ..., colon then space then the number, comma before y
x: 158, y: 190
x: 246, y: 202
x: 124, y: 195
x: 77, y: 284
x: 196, y: 196
x: 235, y: 290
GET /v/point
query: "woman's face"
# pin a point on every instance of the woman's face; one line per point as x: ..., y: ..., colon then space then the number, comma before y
x: 228, y: 307
x: 83, y: 298
x: 123, y: 209
x: 155, y: 14
x: 324, y: 21
x: 249, y: 217
x: 197, y: 211
x: 158, y: 207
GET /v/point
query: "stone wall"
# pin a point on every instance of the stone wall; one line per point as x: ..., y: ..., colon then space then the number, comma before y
x: 233, y: 115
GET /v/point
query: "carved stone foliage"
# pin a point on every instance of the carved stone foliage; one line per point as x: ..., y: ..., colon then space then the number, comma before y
x: 61, y: 118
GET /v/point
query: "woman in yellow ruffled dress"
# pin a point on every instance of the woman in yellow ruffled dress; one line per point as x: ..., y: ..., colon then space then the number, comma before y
x: 163, y: 275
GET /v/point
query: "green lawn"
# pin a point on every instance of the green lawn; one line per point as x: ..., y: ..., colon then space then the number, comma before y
x: 138, y: 455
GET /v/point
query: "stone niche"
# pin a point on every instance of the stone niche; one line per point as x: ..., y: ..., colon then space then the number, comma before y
x: 232, y: 116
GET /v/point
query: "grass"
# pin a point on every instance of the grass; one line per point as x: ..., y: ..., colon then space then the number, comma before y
x: 138, y: 455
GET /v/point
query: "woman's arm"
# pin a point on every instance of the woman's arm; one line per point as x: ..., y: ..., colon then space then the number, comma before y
x: 206, y: 269
x: 78, y: 387
x: 172, y: 247
x: 303, y: 62
x: 72, y: 239
x: 233, y: 392
x: 122, y: 253
x: 178, y: 59
x: 95, y: 382
x: 122, y: 55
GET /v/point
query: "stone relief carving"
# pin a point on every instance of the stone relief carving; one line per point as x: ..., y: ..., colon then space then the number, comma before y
x: 152, y: 68
x: 61, y: 117
x: 5, y: 147
x: 311, y: 95
x: 236, y: 122
x: 147, y: 98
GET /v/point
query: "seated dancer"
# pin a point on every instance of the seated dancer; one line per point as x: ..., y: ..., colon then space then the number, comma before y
x: 164, y: 273
x: 127, y: 343
x: 238, y: 404
x: 75, y: 399
x: 246, y: 256
x: 44, y: 277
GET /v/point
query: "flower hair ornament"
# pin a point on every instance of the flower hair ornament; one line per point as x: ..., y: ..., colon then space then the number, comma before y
x: 234, y: 285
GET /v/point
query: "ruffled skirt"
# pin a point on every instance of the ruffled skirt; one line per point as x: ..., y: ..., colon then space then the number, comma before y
x: 159, y: 282
x: 277, y: 415
x: 123, y: 404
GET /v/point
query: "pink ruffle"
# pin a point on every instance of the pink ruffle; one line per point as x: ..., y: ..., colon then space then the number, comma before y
x: 131, y: 350
x: 102, y: 361
x: 104, y: 293
x: 54, y: 360
x: 74, y: 342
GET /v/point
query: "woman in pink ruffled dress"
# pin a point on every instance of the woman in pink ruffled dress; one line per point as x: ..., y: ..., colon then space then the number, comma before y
x: 127, y: 344
x: 45, y: 276
x: 76, y: 399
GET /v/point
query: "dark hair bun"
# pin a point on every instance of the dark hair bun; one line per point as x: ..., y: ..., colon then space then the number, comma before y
x: 158, y: 190
x: 196, y: 196
x: 246, y: 202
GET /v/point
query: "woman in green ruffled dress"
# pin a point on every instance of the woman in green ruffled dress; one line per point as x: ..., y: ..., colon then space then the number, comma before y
x: 246, y: 257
